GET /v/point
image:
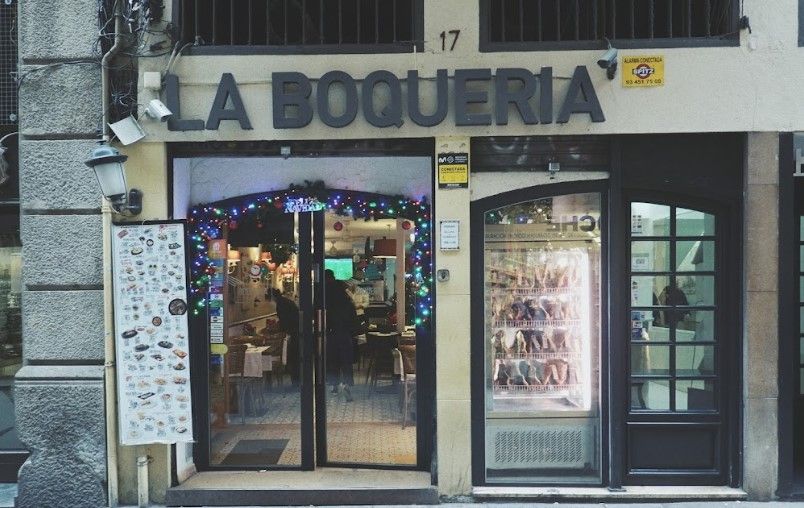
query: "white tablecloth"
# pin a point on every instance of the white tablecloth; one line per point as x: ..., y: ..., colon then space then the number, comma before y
x: 256, y: 362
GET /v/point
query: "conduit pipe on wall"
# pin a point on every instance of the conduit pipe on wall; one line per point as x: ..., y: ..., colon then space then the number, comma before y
x: 142, y: 481
x: 108, y: 319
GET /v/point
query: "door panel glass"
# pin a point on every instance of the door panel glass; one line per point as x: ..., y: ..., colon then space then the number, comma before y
x: 695, y: 395
x: 801, y: 320
x: 645, y: 289
x: 650, y: 394
x: 697, y: 290
x: 801, y: 350
x: 542, y: 326
x: 650, y: 256
x: 370, y: 343
x: 650, y: 360
x: 695, y: 256
x: 694, y: 223
x: 254, y: 383
x: 663, y: 310
x: 648, y: 219
x: 801, y: 258
x: 695, y: 360
x: 696, y: 325
x: 801, y: 381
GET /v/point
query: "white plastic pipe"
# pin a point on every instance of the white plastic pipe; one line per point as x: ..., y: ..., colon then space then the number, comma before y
x: 108, y: 319
x: 109, y: 374
x: 142, y: 481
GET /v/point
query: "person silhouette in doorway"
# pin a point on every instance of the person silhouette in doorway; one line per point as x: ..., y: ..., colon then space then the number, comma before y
x: 341, y: 318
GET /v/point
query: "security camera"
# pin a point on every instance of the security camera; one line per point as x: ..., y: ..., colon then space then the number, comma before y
x: 608, y: 61
x: 158, y: 111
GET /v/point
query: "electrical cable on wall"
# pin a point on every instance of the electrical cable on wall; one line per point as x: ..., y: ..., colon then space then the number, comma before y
x: 143, y: 27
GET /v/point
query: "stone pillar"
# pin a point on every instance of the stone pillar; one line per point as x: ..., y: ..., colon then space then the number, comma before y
x: 59, y: 393
x: 453, y: 339
x: 761, y: 338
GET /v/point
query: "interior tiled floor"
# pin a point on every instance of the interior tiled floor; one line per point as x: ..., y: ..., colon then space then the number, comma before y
x: 366, y: 430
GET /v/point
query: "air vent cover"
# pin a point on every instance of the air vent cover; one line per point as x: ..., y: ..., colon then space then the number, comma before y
x: 540, y: 445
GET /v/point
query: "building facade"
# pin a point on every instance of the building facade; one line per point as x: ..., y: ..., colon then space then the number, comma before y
x: 575, y: 263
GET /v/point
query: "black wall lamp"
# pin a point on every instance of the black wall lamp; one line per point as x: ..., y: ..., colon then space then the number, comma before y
x: 107, y: 163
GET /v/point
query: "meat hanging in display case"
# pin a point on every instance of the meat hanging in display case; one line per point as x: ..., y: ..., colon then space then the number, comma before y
x: 538, y: 306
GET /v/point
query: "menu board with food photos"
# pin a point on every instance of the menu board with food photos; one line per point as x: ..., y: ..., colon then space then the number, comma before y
x: 151, y: 334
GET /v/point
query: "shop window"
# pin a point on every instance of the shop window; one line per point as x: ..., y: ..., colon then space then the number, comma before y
x: 305, y: 26
x: 541, y: 24
x: 673, y: 342
x: 12, y: 450
x: 8, y: 63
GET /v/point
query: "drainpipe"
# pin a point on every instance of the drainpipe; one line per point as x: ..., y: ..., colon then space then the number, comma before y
x: 105, y: 61
x: 109, y: 358
x: 108, y: 319
x: 142, y: 481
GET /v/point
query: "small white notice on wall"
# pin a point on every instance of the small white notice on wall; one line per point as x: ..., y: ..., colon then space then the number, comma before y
x: 450, y: 235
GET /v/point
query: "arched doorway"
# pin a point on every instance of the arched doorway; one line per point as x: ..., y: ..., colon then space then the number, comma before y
x: 281, y: 389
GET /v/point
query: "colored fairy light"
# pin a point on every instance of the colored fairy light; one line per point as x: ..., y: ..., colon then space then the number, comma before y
x: 206, y: 223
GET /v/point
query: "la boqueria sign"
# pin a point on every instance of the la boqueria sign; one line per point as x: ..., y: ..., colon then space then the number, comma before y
x: 478, y: 97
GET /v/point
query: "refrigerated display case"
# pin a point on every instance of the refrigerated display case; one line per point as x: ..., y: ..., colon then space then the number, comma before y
x: 542, y: 331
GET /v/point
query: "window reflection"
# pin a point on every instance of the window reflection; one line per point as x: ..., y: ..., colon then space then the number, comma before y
x: 10, y: 337
x: 670, y: 276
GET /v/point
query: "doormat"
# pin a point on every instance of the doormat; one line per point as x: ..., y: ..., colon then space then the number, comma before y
x: 255, y: 452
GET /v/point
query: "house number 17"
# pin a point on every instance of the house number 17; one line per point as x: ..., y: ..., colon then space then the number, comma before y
x: 454, y: 34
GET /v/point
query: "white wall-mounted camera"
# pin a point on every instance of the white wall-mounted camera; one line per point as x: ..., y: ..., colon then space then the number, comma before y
x: 608, y: 61
x: 157, y: 110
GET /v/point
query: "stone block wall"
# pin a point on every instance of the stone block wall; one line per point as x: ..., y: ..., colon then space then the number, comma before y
x: 761, y: 337
x: 59, y: 392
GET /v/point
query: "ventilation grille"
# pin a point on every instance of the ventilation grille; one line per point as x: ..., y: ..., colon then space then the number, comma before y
x: 8, y: 62
x: 538, y: 448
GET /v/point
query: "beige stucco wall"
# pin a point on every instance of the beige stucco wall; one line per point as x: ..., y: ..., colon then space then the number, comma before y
x: 707, y: 89
x: 146, y: 170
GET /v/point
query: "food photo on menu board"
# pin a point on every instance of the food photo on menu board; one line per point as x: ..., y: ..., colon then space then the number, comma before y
x: 151, y: 333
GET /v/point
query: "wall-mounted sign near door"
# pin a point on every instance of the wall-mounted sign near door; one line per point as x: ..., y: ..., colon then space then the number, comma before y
x: 151, y: 333
x: 453, y: 170
x: 449, y: 237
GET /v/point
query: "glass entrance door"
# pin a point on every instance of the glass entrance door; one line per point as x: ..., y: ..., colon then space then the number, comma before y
x: 541, y: 333
x: 312, y: 341
x: 364, y: 351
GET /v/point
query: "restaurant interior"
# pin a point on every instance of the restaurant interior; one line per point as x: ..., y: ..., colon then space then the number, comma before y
x: 255, y: 396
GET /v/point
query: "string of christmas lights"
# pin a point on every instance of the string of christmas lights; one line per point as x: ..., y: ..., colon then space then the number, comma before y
x: 208, y: 222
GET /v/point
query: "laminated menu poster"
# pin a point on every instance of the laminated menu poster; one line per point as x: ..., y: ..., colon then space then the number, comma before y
x: 150, y: 312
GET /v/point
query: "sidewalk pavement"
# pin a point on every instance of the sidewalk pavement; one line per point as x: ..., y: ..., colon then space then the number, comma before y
x: 702, y: 504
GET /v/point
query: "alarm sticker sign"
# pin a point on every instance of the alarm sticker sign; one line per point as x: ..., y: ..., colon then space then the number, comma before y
x: 643, y: 71
x: 453, y: 170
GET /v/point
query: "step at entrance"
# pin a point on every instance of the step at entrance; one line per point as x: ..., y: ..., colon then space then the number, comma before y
x: 335, y: 486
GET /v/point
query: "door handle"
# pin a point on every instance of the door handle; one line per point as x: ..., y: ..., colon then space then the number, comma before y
x: 321, y: 316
